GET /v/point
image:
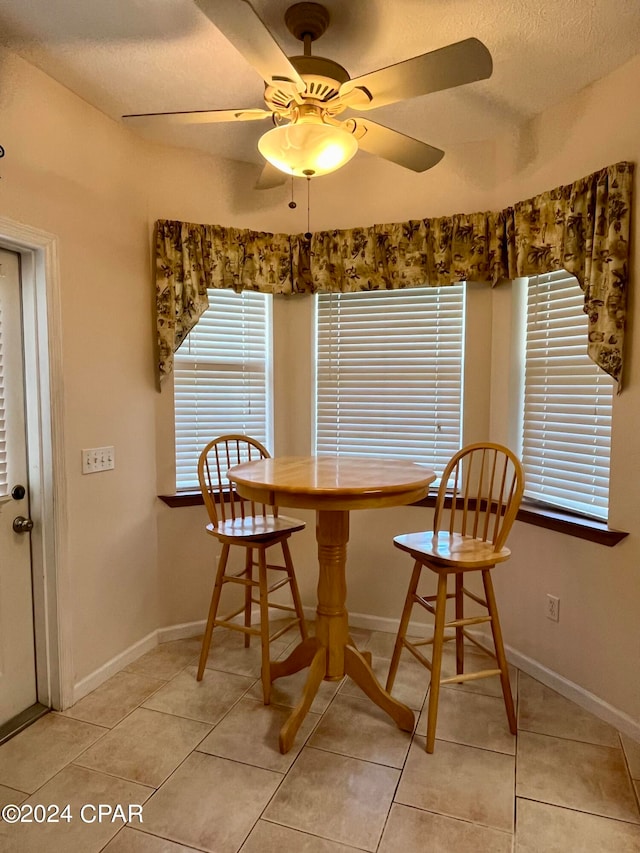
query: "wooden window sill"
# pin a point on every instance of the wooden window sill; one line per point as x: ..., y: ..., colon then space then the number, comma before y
x: 550, y: 519
x: 572, y: 525
x: 561, y: 522
x: 183, y: 499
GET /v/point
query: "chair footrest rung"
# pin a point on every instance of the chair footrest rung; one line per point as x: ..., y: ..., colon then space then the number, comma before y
x: 239, y: 579
x: 287, y: 607
x: 428, y: 642
x: 447, y: 638
x: 235, y: 626
x: 273, y: 606
x: 277, y: 585
x: 424, y: 602
x: 470, y: 676
x: 474, y: 597
x: 472, y: 639
x: 470, y: 620
x: 229, y: 616
x: 417, y: 655
x: 283, y: 630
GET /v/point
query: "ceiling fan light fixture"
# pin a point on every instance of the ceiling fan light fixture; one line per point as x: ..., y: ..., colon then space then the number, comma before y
x: 308, y: 149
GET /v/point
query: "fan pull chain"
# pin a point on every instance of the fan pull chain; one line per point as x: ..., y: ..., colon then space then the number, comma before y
x: 308, y: 234
x: 292, y: 203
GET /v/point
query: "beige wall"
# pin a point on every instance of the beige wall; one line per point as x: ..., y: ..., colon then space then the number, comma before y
x: 137, y: 565
x: 596, y: 644
x: 72, y: 172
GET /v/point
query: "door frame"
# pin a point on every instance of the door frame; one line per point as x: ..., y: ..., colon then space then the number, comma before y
x: 40, y: 279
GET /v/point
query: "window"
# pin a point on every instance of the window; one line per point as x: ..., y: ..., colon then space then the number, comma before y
x: 222, y: 377
x: 567, y: 402
x: 389, y: 373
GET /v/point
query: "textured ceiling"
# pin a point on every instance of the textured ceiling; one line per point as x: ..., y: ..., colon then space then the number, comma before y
x: 136, y: 56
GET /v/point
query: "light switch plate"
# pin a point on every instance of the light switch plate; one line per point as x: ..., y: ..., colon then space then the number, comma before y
x: 96, y: 459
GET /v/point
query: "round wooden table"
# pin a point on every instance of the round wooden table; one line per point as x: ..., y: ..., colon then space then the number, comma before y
x: 332, y: 485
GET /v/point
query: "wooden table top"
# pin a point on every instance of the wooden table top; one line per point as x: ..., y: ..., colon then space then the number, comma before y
x: 332, y: 482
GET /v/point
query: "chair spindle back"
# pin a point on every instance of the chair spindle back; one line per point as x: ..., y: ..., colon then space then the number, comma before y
x: 221, y: 500
x: 487, y: 482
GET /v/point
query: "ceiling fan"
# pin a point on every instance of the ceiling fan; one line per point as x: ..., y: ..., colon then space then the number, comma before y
x: 306, y: 94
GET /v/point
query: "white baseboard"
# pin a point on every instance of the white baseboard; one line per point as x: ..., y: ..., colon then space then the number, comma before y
x: 382, y: 623
x: 375, y: 623
x: 128, y: 656
x: 570, y: 690
x: 111, y: 667
x: 181, y: 632
x: 589, y: 701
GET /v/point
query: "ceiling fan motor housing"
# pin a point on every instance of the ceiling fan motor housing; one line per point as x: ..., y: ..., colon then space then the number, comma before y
x: 322, y: 77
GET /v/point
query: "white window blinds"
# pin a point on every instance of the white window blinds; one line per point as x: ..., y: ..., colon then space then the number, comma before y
x: 222, y: 377
x: 389, y: 373
x: 567, y: 402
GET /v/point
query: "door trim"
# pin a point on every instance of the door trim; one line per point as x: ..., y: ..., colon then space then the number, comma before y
x: 40, y: 276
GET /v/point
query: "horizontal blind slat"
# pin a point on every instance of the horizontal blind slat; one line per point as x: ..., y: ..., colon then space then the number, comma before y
x: 567, y: 402
x: 220, y: 377
x: 389, y: 373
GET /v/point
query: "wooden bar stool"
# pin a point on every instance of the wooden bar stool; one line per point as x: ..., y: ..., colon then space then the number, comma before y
x: 470, y: 528
x: 256, y: 528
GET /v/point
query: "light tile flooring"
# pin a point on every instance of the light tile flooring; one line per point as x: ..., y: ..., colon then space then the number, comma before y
x: 202, y: 761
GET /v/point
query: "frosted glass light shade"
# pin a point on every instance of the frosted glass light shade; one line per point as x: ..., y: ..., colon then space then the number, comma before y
x: 307, y: 149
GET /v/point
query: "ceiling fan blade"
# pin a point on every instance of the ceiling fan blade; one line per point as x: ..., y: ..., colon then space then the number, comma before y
x: 463, y: 62
x: 395, y: 146
x: 239, y: 22
x: 197, y: 117
x: 270, y: 177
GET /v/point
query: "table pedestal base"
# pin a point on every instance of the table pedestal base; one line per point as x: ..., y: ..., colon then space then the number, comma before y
x: 310, y: 653
x: 332, y: 654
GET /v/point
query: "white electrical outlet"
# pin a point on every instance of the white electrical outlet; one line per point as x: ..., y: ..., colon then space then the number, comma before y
x: 553, y: 608
x: 96, y: 459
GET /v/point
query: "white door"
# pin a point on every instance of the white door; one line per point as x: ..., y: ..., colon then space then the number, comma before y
x: 17, y: 650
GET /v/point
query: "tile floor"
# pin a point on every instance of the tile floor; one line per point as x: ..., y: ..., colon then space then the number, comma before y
x: 202, y: 762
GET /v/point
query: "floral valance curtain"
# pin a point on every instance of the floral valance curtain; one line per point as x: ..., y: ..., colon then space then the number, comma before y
x: 582, y: 227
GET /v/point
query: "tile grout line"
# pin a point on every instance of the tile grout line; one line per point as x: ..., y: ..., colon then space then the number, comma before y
x: 305, y: 746
x: 284, y: 776
x: 307, y: 833
x: 155, y: 790
x: 214, y: 726
x: 195, y: 749
x: 404, y: 763
x: 635, y: 790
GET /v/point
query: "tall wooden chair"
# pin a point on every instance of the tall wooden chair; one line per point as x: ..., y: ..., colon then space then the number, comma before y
x: 256, y: 528
x: 471, y: 525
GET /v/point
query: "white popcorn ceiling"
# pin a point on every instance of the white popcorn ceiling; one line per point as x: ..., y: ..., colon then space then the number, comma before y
x: 138, y: 56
